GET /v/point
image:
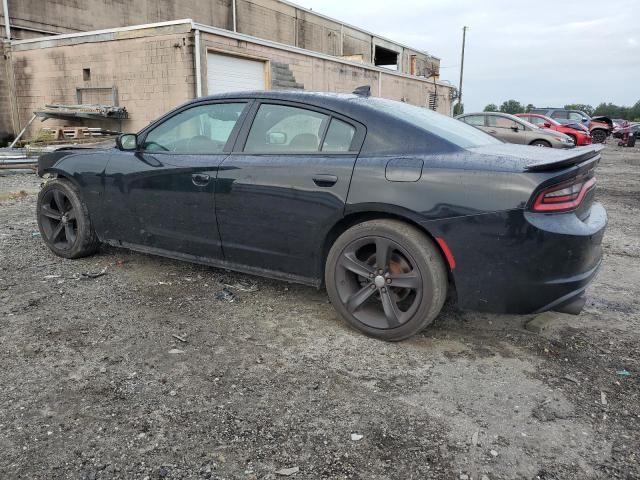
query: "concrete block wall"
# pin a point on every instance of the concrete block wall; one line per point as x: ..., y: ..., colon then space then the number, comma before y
x: 152, y: 74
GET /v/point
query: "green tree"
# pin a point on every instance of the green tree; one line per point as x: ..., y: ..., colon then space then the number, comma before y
x: 588, y: 109
x: 529, y: 107
x: 634, y: 112
x: 458, y: 109
x: 612, y: 110
x: 492, y: 107
x: 512, y: 107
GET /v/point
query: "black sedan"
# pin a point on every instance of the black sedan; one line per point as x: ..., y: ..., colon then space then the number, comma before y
x: 391, y: 207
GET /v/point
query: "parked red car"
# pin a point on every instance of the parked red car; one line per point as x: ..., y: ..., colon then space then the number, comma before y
x: 579, y: 133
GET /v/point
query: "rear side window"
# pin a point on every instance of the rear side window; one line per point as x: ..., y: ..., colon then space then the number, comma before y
x: 500, y: 122
x: 475, y: 120
x: 284, y: 129
x: 563, y: 114
x: 339, y: 137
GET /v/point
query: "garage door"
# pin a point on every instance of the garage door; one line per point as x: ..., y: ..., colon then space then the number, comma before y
x: 232, y: 74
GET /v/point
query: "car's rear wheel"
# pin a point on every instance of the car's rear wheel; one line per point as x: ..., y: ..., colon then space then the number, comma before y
x: 63, y: 220
x: 540, y: 143
x: 598, y: 135
x: 386, y: 278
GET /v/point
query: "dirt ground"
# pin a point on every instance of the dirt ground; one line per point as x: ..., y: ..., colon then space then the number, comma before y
x: 96, y: 381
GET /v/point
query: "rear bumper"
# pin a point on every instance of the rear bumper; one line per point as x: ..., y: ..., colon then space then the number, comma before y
x: 522, y: 262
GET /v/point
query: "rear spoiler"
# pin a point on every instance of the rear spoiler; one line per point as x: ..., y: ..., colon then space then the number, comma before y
x: 580, y: 155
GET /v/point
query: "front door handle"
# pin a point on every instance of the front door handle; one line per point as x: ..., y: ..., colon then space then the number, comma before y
x: 200, y: 179
x: 324, y: 180
x: 493, y: 132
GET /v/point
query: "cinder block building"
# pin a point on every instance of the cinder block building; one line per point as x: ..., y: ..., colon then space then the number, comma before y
x: 60, y: 51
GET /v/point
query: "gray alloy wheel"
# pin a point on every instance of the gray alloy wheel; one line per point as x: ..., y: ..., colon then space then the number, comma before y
x: 598, y: 135
x: 63, y: 220
x: 540, y: 143
x: 386, y: 278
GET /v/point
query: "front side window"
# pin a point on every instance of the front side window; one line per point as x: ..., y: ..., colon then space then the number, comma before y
x: 204, y: 129
x: 535, y: 120
x: 284, y: 129
x: 339, y: 137
x: 575, y: 116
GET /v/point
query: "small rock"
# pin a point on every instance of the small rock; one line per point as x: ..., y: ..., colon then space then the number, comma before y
x: 175, y: 351
x: 603, y: 398
x: 464, y: 476
x: 356, y: 437
x: 484, y: 477
x: 173, y: 393
x: 286, y: 472
x: 474, y: 438
x: 493, y: 453
x: 541, y: 322
x: 103, y: 369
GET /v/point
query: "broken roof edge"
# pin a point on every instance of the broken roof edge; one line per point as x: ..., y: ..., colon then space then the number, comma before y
x: 311, y: 53
x: 110, y: 34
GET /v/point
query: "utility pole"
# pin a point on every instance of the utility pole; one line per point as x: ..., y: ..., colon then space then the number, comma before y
x: 464, y: 35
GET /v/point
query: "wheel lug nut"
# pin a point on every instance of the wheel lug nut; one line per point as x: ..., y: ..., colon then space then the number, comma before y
x: 388, y: 280
x: 373, y: 287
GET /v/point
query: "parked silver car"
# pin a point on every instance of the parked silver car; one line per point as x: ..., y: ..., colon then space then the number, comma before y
x: 512, y: 129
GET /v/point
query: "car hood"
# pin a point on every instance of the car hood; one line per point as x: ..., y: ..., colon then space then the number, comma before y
x: 513, y: 157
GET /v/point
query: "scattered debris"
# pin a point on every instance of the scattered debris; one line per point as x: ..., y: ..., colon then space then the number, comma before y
x: 356, y: 437
x: 95, y: 274
x: 623, y: 372
x: 49, y: 277
x: 242, y: 286
x: 571, y: 379
x: 35, y: 234
x: 286, y: 472
x: 474, y: 438
x: 464, y: 476
x: 175, y: 351
x: 603, y: 398
x: 226, y: 295
x: 493, y: 453
x: 178, y: 337
x: 484, y: 477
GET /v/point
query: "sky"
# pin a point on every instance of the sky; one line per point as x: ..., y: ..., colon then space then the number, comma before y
x: 544, y: 52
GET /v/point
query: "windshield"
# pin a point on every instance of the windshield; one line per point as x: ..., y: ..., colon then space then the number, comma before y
x: 450, y: 129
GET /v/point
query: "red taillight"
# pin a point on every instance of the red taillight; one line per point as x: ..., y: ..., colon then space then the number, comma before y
x: 564, y: 196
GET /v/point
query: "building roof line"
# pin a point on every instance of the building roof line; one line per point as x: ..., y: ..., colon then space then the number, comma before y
x: 229, y: 34
x: 63, y: 36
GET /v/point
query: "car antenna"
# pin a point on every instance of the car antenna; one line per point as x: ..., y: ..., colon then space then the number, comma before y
x: 363, y: 91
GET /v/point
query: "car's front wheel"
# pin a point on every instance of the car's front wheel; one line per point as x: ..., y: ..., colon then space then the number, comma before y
x: 386, y: 278
x: 63, y: 220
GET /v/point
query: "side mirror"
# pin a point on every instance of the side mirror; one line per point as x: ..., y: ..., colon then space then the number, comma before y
x: 546, y: 125
x: 585, y: 119
x: 514, y: 128
x: 127, y: 142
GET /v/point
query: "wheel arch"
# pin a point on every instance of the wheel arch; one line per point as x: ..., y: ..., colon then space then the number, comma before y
x: 360, y: 216
x: 539, y: 140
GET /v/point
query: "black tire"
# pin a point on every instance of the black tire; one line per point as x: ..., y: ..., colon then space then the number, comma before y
x: 372, y: 300
x: 540, y: 143
x: 598, y: 135
x: 63, y: 220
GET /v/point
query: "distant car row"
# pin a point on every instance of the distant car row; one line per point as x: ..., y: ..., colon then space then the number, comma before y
x: 543, y: 127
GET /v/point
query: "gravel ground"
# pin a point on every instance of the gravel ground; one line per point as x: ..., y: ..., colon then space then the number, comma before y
x: 144, y: 372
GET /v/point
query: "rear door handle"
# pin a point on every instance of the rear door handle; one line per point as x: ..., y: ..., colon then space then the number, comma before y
x: 324, y: 180
x: 200, y: 179
x: 492, y: 131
